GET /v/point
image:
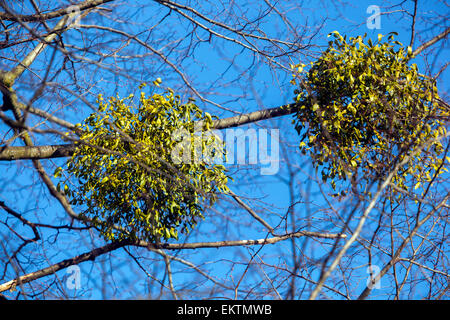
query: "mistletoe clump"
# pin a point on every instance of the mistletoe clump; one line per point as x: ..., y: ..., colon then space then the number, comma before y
x: 130, y: 182
x: 364, y: 107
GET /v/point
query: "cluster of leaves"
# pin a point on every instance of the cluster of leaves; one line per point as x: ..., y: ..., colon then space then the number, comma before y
x: 128, y: 181
x: 363, y: 108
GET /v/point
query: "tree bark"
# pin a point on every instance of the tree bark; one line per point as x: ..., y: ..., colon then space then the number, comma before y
x: 36, y: 152
x: 66, y: 150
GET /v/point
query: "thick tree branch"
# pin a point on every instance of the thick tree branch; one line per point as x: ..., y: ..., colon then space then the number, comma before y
x: 36, y: 152
x: 234, y: 243
x: 431, y: 42
x: 51, y: 15
x: 66, y: 150
x: 9, y: 77
x: 255, y: 116
x: 91, y: 255
x: 7, y: 80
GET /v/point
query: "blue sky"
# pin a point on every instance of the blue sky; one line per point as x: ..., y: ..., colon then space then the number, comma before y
x: 243, y: 90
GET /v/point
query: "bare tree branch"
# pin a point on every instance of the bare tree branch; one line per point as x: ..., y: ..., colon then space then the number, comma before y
x: 429, y: 43
x: 91, y: 255
x: 88, y: 256
x: 88, y: 4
